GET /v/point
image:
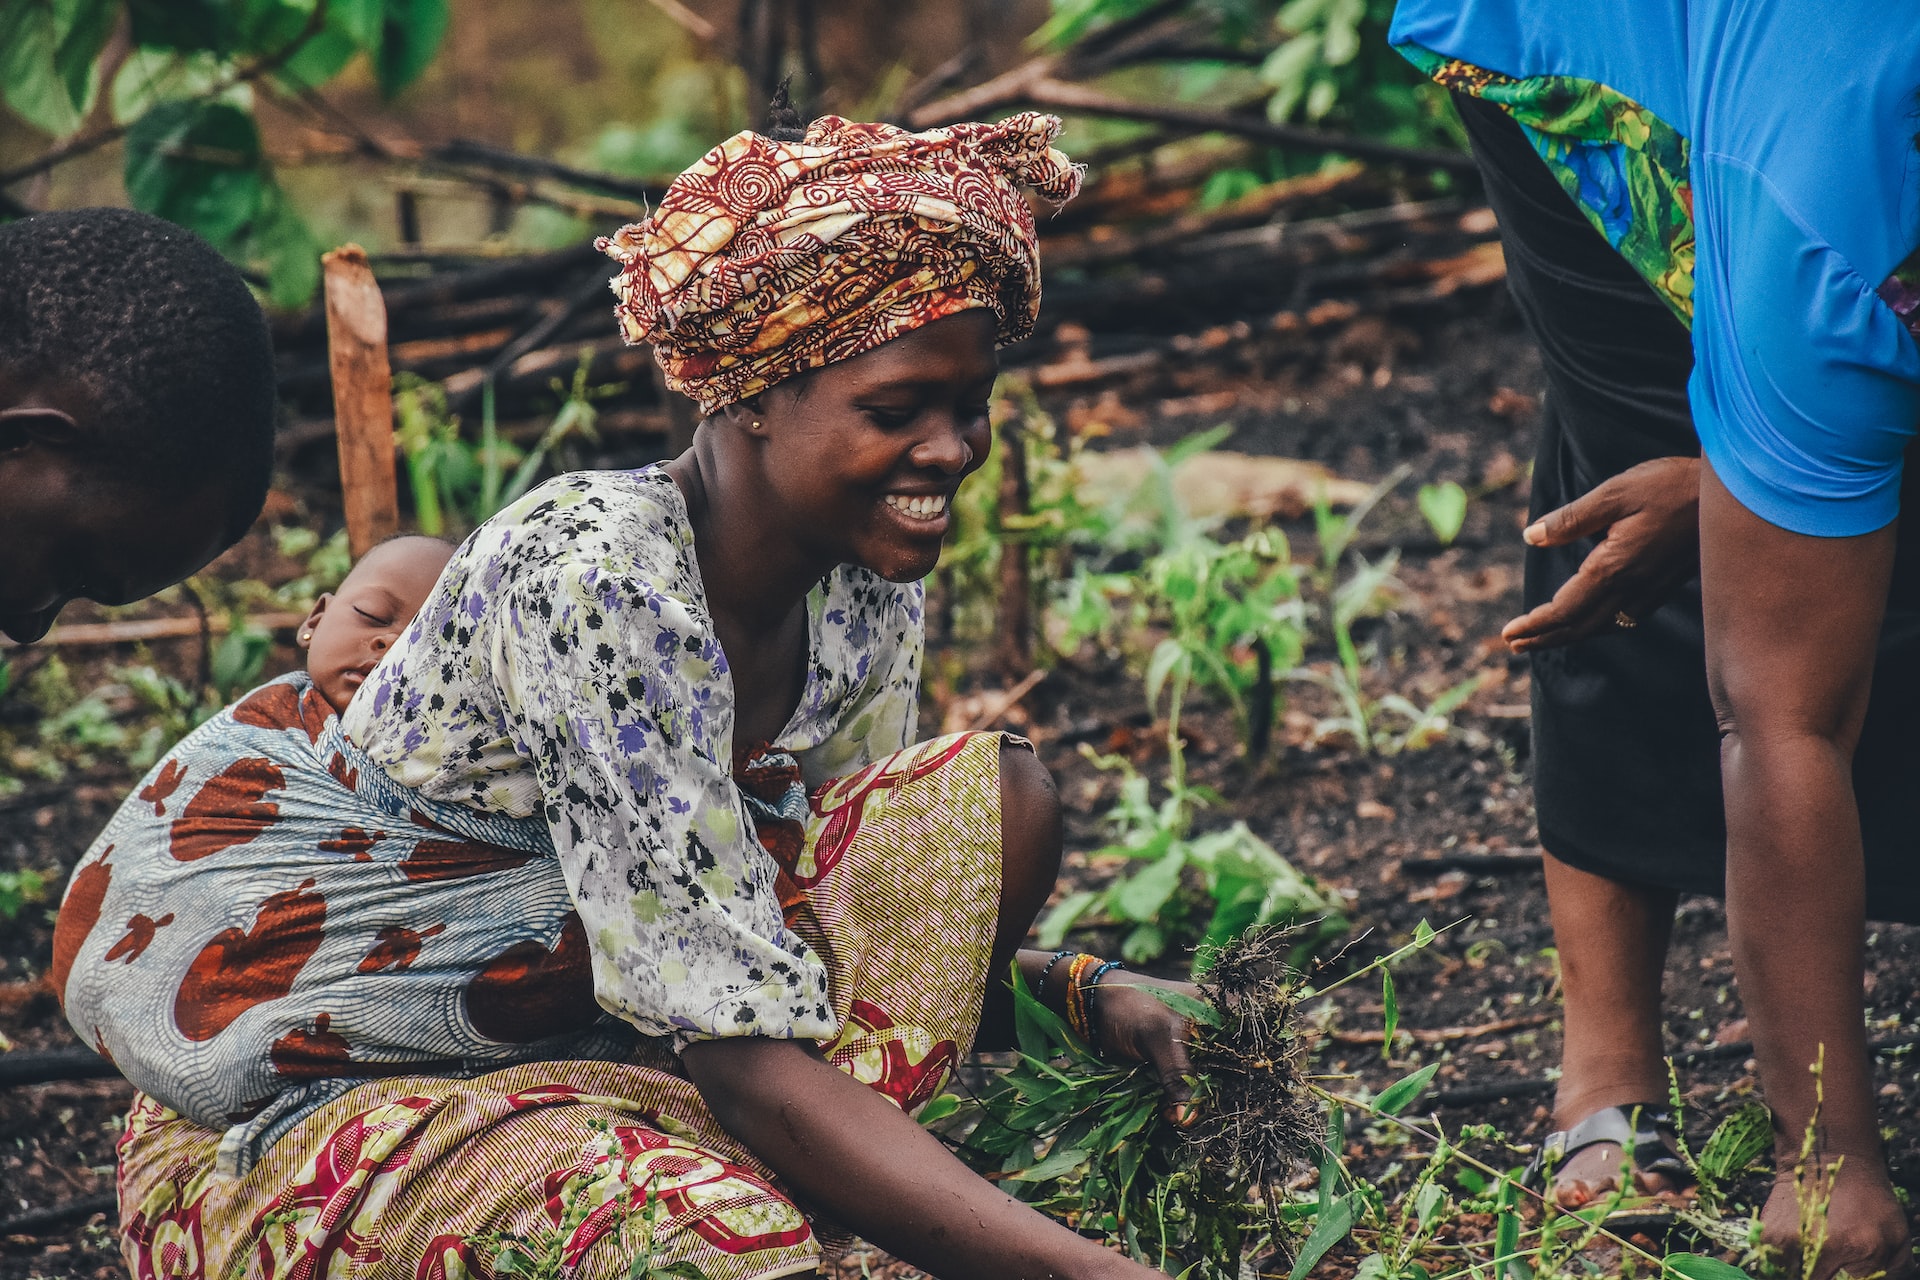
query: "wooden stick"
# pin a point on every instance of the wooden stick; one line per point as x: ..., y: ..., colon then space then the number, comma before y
x: 362, y: 398
x: 141, y: 630
x: 692, y: 23
x: 1441, y: 1035
x: 1006, y: 700
x: 1031, y: 83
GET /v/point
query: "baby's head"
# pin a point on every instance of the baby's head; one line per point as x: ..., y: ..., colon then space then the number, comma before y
x: 351, y: 629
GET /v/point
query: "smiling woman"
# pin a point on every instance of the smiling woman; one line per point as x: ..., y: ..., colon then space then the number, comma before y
x: 761, y: 923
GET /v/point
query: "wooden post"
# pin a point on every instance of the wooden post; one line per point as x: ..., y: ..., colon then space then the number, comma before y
x: 362, y: 397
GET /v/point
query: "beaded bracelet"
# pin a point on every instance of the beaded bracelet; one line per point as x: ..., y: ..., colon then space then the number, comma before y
x: 1046, y: 971
x: 1093, y: 985
x: 1076, y: 1004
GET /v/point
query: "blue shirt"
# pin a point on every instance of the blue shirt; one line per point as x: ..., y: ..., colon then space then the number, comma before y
x: 1801, y: 117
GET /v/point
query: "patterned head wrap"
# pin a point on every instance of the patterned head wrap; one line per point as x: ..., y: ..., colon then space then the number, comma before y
x: 767, y: 259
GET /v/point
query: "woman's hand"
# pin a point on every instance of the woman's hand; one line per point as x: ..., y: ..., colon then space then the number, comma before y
x: 1132, y: 1026
x: 1648, y: 520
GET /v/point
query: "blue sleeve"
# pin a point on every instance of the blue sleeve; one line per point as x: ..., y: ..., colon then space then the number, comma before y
x: 1806, y: 387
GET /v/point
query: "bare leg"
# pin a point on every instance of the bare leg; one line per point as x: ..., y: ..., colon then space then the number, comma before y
x: 1612, y: 939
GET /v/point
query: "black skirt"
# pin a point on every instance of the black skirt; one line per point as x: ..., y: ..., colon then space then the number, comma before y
x: 1626, y: 751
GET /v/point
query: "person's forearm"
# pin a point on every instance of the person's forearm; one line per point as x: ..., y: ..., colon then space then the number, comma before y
x: 852, y: 1154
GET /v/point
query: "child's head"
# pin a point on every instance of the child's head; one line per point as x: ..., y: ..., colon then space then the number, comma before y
x: 350, y: 630
x: 136, y: 410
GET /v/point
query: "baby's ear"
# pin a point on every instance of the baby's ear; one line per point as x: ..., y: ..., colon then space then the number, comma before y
x: 305, y: 635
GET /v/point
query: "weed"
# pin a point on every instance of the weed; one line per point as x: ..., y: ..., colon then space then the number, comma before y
x: 1242, y: 881
x: 1342, y: 602
x: 457, y: 483
x: 20, y: 890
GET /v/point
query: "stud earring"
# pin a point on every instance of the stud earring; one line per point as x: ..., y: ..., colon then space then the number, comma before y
x: 756, y: 424
x: 306, y: 637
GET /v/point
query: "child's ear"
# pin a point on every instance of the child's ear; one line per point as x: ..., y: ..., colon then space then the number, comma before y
x: 25, y: 425
x: 305, y: 635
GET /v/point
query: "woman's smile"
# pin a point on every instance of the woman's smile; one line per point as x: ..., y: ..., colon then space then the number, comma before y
x: 923, y: 510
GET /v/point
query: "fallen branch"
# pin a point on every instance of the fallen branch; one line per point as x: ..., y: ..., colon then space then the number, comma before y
x: 690, y: 22
x: 1473, y: 1095
x: 1444, y: 1035
x: 1034, y: 83
x: 990, y: 712
x: 1479, y: 864
x: 469, y: 153
x: 142, y: 630
x: 40, y: 1221
x: 47, y: 1066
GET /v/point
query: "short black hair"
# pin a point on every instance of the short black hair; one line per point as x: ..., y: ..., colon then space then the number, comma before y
x: 162, y: 332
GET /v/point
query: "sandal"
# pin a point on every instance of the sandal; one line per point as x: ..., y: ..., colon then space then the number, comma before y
x: 1646, y: 1131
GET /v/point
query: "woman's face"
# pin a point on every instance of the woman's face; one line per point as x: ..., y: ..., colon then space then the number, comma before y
x: 863, y: 456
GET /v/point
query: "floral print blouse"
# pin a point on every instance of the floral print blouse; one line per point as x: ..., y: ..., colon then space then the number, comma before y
x: 567, y: 665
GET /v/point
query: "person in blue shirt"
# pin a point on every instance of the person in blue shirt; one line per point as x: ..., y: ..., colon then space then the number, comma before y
x: 1708, y: 209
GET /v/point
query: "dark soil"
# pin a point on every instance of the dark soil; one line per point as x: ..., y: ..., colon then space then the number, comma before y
x: 1455, y: 395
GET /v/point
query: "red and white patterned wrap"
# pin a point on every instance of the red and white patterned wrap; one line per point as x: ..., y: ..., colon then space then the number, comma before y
x: 767, y: 259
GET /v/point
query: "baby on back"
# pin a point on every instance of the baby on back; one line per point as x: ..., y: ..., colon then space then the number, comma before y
x: 233, y: 939
x: 350, y: 630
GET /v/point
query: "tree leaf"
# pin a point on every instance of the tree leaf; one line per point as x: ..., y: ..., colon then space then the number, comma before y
x: 197, y: 164
x: 283, y: 247
x: 149, y: 76
x: 30, y: 32
x: 1401, y: 1094
x: 1445, y: 507
x: 1329, y: 1229
x: 77, y: 59
x: 409, y: 38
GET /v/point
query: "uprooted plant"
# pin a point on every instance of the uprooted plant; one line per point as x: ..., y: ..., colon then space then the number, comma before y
x: 1261, y: 1179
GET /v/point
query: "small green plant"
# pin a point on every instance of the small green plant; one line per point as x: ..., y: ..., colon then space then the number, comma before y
x: 20, y: 890
x: 1189, y: 891
x: 1445, y: 507
x: 460, y: 484
x: 1342, y: 602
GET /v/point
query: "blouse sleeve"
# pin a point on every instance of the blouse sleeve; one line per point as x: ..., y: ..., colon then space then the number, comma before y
x: 607, y: 676
x: 1806, y: 386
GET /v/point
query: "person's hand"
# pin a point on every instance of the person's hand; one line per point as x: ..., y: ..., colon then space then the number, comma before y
x: 1648, y: 520
x: 1132, y: 1026
x: 1866, y: 1230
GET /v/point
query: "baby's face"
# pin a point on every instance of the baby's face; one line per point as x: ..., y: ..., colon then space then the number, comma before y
x: 350, y: 630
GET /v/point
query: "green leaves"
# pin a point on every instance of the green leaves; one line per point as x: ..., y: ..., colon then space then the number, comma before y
x: 1445, y: 507
x: 1739, y: 1140
x: 1403, y: 1093
x: 1694, y: 1266
x: 1329, y: 1229
x: 193, y: 152
x: 197, y: 163
x: 410, y: 34
x: 1390, y: 1007
x: 48, y: 55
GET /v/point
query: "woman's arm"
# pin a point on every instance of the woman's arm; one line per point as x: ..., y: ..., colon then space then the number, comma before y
x: 852, y: 1154
x: 1792, y: 624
